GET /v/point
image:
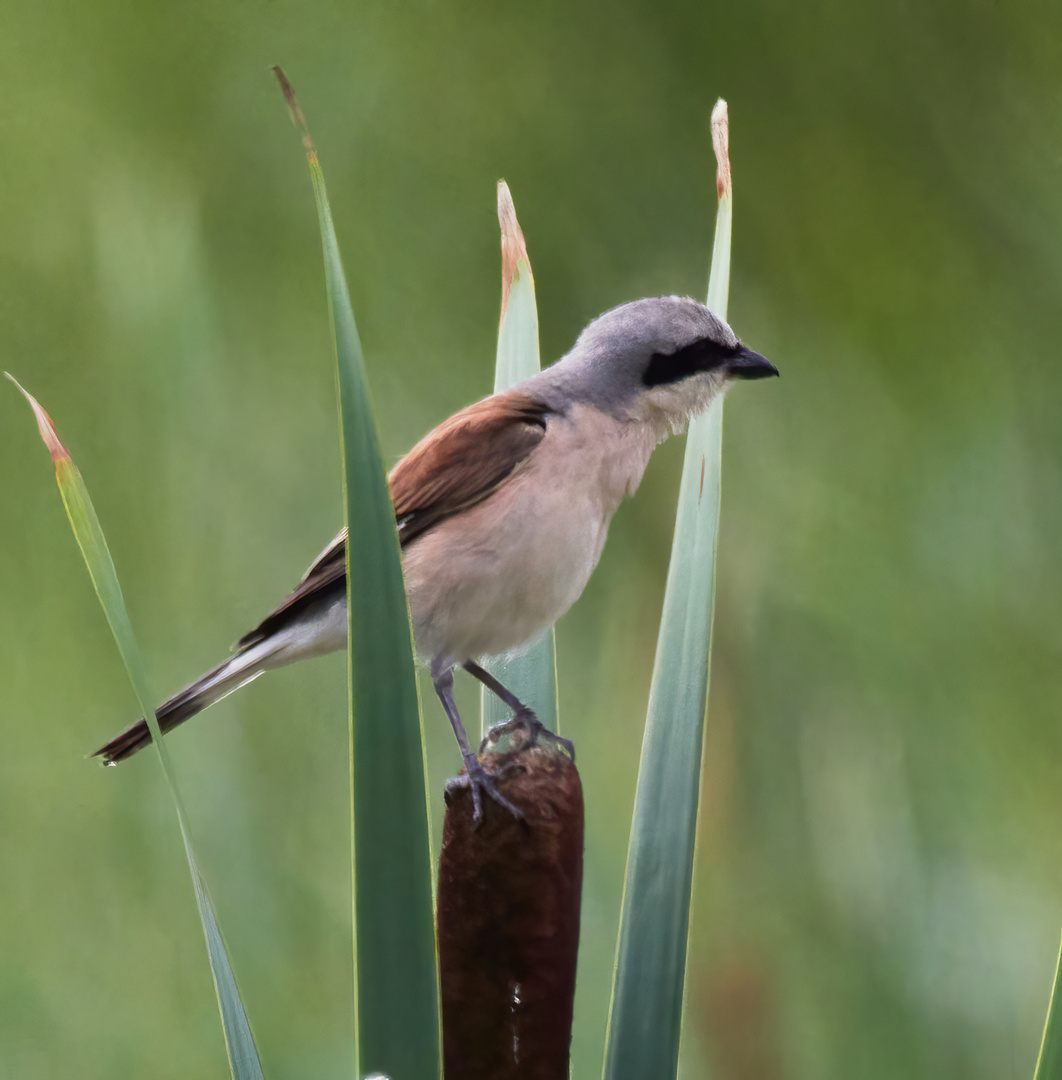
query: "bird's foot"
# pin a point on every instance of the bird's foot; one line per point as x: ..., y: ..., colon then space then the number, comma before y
x: 482, y: 783
x: 530, y: 730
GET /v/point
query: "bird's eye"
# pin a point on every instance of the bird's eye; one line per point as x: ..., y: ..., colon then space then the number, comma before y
x: 703, y: 355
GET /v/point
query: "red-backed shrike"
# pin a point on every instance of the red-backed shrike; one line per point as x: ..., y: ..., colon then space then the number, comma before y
x: 503, y: 509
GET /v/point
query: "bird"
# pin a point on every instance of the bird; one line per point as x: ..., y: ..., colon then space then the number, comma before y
x: 503, y: 511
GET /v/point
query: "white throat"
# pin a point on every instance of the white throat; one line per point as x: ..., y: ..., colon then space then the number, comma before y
x: 668, y: 409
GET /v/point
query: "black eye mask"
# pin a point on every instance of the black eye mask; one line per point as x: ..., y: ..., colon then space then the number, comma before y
x: 706, y: 355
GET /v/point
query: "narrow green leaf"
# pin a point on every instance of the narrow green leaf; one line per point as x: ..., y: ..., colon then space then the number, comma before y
x: 531, y: 673
x: 396, y: 969
x: 645, y: 1016
x: 239, y: 1043
x: 1049, y: 1063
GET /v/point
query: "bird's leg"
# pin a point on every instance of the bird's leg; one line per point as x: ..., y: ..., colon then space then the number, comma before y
x: 476, y: 777
x: 522, y: 715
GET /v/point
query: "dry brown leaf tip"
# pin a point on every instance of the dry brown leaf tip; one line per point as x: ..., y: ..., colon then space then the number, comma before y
x: 721, y: 144
x: 514, y: 249
x: 297, y: 117
x: 44, y: 425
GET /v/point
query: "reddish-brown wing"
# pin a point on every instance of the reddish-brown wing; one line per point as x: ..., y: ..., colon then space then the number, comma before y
x: 450, y: 470
x: 464, y: 459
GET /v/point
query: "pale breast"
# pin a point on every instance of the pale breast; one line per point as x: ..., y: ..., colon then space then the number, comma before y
x: 491, y: 578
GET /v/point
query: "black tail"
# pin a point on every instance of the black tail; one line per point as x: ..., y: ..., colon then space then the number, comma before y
x: 208, y: 688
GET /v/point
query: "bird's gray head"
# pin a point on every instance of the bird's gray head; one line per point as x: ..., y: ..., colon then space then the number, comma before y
x: 661, y: 359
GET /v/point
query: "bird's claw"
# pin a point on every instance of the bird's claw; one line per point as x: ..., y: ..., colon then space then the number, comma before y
x: 480, y: 781
x: 525, y: 720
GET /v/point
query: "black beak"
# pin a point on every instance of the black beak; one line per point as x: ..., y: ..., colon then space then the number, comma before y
x: 746, y: 364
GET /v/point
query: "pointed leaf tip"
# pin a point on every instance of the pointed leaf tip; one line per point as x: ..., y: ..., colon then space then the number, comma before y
x: 721, y: 143
x: 44, y: 424
x: 514, y: 250
x: 297, y: 117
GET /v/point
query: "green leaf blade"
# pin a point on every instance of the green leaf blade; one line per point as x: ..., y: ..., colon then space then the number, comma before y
x: 531, y: 673
x: 645, y: 1017
x: 1049, y: 1061
x: 244, y: 1063
x: 397, y: 1025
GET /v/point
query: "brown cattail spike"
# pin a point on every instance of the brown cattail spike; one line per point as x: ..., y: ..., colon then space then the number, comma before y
x: 509, y: 893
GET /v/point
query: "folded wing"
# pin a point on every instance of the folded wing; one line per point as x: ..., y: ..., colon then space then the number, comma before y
x: 450, y: 470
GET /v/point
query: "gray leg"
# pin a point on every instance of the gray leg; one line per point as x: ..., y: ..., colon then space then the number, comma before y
x: 522, y: 715
x: 476, y: 777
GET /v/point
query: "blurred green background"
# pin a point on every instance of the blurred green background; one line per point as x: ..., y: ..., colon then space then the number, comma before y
x: 879, y: 878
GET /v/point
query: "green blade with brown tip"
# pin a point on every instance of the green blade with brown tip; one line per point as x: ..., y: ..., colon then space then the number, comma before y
x: 645, y: 1017
x: 239, y: 1042
x: 531, y: 673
